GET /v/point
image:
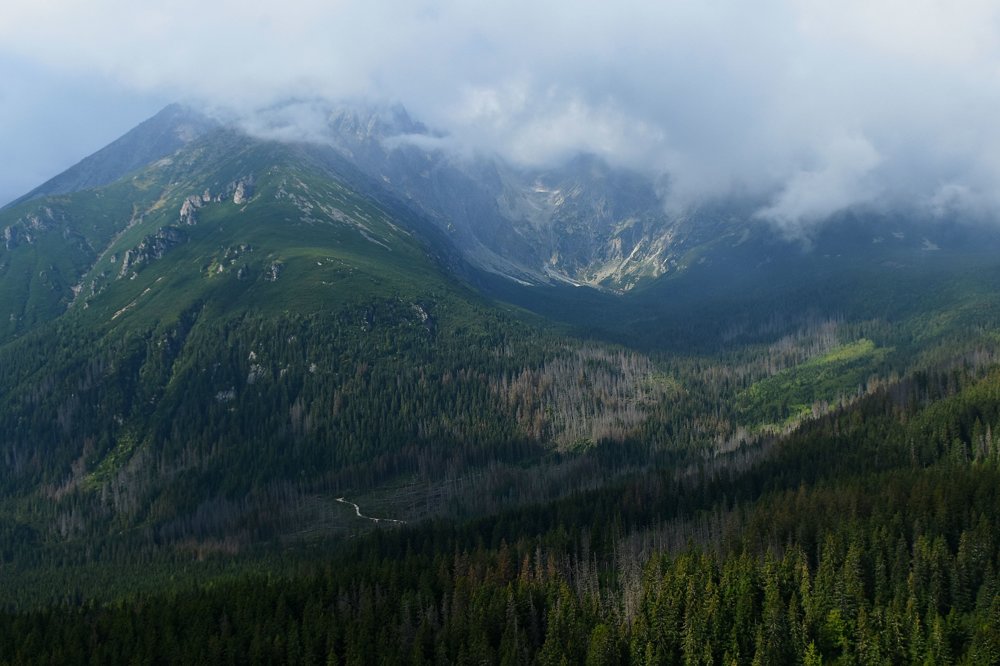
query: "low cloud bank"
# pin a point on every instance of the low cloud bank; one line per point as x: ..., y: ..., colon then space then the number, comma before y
x: 809, y: 107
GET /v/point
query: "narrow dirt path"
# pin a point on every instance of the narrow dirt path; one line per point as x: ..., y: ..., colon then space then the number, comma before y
x: 357, y: 510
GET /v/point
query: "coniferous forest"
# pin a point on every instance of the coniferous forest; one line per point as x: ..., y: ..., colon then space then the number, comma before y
x: 257, y: 406
x: 866, y: 536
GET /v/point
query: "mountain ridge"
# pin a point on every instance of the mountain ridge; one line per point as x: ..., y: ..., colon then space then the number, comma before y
x: 246, y: 314
x: 236, y: 319
x: 155, y: 138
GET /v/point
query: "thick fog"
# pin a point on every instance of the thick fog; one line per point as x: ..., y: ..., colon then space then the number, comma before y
x: 805, y: 107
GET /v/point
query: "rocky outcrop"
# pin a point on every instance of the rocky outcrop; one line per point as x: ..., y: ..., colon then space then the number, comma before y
x: 243, y: 190
x: 581, y: 222
x: 27, y: 229
x: 150, y: 248
x: 188, y: 214
x: 240, y: 190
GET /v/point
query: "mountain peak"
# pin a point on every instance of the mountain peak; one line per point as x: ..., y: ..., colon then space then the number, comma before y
x: 374, y: 121
x: 171, y: 128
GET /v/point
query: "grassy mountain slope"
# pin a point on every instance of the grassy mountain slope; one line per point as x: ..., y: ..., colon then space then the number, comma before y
x: 237, y: 326
x: 206, y: 362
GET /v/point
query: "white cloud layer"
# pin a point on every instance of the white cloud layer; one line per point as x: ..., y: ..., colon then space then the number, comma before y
x: 809, y: 105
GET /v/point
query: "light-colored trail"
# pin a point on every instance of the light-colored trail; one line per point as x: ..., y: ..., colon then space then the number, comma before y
x: 357, y: 510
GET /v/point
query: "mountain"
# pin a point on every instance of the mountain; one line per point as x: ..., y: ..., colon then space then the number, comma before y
x: 580, y: 223
x: 351, y: 395
x: 154, y: 139
x: 245, y: 321
x: 243, y: 314
x: 586, y: 223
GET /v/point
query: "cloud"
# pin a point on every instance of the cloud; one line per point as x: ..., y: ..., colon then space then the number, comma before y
x: 840, y: 179
x: 805, y: 105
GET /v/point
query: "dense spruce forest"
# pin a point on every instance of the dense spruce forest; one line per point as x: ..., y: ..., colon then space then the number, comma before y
x: 868, y: 535
x: 828, y: 497
x: 261, y: 402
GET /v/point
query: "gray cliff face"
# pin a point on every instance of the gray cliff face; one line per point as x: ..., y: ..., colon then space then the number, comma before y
x: 600, y: 226
x: 581, y: 223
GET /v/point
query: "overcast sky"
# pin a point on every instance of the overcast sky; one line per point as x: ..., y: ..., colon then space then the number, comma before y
x: 811, y: 106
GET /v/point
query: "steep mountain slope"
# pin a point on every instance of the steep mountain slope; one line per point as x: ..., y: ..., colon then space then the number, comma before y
x: 580, y: 223
x: 67, y: 249
x: 218, y: 345
x: 584, y: 222
x: 167, y: 131
x: 247, y: 346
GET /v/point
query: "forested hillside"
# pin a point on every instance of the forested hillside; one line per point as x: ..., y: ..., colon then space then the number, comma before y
x: 865, y: 536
x: 257, y: 405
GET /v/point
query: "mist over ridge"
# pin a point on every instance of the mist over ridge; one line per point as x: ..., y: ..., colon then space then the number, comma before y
x: 807, y: 109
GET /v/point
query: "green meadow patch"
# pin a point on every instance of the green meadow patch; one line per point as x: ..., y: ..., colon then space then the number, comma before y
x: 791, y: 393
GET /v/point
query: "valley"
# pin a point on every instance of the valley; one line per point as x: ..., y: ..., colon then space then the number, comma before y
x: 354, y: 400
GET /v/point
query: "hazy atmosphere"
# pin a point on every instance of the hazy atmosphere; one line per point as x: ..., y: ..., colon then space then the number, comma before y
x: 454, y: 332
x: 809, y: 107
